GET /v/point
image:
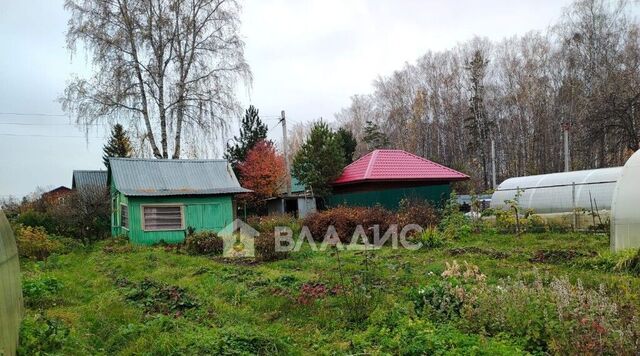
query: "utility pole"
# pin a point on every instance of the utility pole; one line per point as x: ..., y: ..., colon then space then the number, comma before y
x: 493, y: 163
x: 565, y: 128
x: 285, y: 149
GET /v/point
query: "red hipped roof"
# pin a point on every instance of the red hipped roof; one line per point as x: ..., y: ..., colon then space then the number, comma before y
x: 394, y: 165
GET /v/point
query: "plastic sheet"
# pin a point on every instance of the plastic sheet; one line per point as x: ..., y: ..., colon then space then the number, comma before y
x: 556, y: 192
x: 10, y: 290
x: 625, y: 216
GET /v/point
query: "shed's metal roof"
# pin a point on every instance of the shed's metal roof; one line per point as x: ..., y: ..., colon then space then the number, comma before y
x: 153, y: 177
x: 89, y: 179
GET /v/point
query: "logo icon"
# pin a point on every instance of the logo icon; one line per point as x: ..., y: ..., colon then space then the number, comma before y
x: 238, y: 240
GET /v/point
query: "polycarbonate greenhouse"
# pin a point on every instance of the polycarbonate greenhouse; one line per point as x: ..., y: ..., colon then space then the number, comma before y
x: 625, y: 216
x: 555, y: 193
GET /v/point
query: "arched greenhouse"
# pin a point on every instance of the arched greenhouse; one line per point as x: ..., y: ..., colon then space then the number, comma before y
x: 560, y: 192
x: 625, y: 216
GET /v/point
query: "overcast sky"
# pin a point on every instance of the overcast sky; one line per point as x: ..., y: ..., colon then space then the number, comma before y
x: 307, y: 57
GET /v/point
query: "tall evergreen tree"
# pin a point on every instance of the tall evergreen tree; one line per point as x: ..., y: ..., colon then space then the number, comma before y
x: 119, y: 145
x: 320, y: 160
x: 348, y: 143
x: 478, y: 122
x: 374, y: 137
x: 252, y: 130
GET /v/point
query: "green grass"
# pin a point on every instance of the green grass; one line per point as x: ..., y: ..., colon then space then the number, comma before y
x: 245, y: 308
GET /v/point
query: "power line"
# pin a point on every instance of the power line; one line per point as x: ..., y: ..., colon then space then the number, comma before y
x: 32, y: 114
x: 53, y: 136
x: 46, y: 124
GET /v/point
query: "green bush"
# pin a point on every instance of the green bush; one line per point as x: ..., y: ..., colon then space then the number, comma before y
x: 397, y: 330
x: 34, y: 218
x: 535, y: 223
x: 431, y: 238
x: 558, y: 318
x: 39, y: 292
x: 204, y: 243
x: 33, y: 242
x: 629, y: 262
x: 454, y: 224
x: 40, y: 335
x: 68, y: 244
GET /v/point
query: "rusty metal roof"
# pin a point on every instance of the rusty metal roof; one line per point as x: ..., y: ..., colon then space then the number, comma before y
x: 89, y: 179
x: 163, y: 177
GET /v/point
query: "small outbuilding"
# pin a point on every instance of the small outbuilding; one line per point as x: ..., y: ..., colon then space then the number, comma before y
x: 156, y: 200
x: 299, y: 203
x: 386, y: 177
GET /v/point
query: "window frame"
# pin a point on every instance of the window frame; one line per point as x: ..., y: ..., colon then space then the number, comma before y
x: 122, y: 207
x: 168, y: 205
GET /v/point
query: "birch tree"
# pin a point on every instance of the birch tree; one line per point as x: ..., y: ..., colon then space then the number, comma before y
x: 169, y: 67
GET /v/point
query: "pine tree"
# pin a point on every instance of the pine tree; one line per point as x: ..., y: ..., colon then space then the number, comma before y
x: 374, y: 137
x: 119, y: 145
x: 320, y: 160
x: 252, y: 130
x: 348, y: 143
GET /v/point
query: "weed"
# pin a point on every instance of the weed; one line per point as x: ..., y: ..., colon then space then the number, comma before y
x: 40, y: 292
x: 559, y: 256
x: 160, y: 298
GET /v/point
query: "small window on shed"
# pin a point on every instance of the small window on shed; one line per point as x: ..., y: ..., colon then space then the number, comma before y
x: 124, y: 216
x: 165, y: 217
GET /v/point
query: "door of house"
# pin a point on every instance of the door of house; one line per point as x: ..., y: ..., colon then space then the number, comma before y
x: 205, y: 216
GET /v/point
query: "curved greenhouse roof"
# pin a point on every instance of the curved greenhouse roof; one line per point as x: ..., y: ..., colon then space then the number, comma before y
x: 625, y: 218
x: 553, y: 193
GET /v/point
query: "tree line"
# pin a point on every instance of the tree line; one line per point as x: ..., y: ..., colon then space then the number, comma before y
x: 582, y: 73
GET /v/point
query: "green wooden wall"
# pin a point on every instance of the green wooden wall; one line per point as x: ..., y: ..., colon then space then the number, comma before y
x: 390, y: 198
x: 200, y: 213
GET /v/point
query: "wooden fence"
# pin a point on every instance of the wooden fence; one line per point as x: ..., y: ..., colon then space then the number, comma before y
x: 10, y: 290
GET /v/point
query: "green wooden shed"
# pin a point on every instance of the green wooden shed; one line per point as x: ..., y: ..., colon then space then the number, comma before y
x: 386, y: 177
x: 154, y: 200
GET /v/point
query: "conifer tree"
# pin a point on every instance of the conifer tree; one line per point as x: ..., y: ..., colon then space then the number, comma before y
x: 478, y: 123
x: 348, y: 143
x: 119, y: 145
x: 320, y: 160
x: 252, y: 131
x: 374, y: 137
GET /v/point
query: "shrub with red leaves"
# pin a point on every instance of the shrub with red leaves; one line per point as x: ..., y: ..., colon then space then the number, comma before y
x: 346, y: 219
x: 417, y: 211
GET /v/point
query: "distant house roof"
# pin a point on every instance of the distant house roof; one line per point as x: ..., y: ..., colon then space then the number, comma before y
x: 59, y: 192
x: 89, y: 179
x: 153, y: 177
x: 396, y: 165
x: 296, y: 187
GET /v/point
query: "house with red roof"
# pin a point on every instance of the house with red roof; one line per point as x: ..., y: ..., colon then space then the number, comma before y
x: 385, y: 177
